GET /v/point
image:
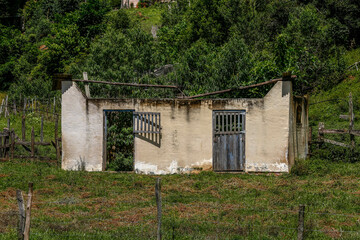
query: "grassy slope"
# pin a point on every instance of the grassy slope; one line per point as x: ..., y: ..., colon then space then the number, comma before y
x: 2, y: 96
x: 81, y: 205
x: 328, y: 112
x: 147, y: 17
x: 33, y: 120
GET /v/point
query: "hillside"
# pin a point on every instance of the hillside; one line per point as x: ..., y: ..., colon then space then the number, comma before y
x: 327, y: 105
x: 212, y: 45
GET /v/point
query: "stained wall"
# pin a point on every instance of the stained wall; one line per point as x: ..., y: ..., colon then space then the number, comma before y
x: 185, y: 144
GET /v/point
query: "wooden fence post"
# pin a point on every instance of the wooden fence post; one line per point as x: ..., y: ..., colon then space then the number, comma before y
x: 21, y: 227
x: 54, y: 110
x: 321, y: 134
x: 35, y: 105
x: 32, y: 143
x: 87, y: 87
x: 6, y: 107
x: 14, y: 107
x: 42, y: 129
x: 56, y: 138
x: 351, y: 123
x: 23, y: 128
x: 24, y: 110
x: 1, y: 145
x: 28, y: 213
x: 1, y: 107
x: 158, y: 204
x: 301, y: 220
x: 12, y: 146
x: 47, y: 109
x: 8, y: 123
x: 6, y: 145
x: 309, y: 141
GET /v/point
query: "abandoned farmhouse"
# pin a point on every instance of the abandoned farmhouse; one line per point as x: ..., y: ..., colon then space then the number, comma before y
x: 186, y: 135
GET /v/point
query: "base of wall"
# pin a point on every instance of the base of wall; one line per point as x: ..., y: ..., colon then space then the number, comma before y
x: 174, y: 168
x: 263, y: 167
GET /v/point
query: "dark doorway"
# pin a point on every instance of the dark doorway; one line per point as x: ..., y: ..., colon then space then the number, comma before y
x: 229, y: 140
x: 119, y: 139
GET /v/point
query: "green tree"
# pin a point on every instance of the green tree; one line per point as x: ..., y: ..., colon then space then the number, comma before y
x: 10, y: 49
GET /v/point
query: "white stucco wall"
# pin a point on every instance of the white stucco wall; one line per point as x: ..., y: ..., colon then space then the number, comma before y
x: 186, y: 139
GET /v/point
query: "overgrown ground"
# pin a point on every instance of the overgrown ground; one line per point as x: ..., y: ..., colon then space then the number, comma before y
x: 147, y: 17
x: 84, y: 205
x: 33, y: 120
x: 327, y: 106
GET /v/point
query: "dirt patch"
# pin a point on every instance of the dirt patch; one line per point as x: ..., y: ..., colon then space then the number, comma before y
x: 6, y: 195
x: 44, y: 191
x: 125, y: 218
x: 330, y: 182
x: 185, y: 186
x: 258, y: 186
x: 233, y: 183
x: 8, y: 219
x: 332, y: 232
x: 85, y: 195
x: 50, y: 177
x: 9, y: 192
x: 192, y: 211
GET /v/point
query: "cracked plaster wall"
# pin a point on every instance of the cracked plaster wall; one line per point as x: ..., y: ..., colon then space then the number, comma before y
x: 186, y: 139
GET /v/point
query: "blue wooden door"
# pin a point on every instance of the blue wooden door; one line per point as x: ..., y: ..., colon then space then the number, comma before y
x: 228, y: 140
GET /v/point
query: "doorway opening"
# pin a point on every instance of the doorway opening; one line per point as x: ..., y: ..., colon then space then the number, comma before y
x: 119, y: 140
x: 229, y: 140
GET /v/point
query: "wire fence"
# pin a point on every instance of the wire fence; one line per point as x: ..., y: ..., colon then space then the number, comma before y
x: 69, y: 218
x: 48, y: 107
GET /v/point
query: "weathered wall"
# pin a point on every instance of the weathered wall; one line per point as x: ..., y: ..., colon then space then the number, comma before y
x: 300, y: 126
x: 129, y: 2
x: 186, y: 139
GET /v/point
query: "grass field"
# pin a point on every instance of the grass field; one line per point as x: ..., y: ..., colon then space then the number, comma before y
x: 147, y: 17
x: 84, y: 205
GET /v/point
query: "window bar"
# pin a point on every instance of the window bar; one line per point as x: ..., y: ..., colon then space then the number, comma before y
x: 241, y: 150
x: 152, y: 123
x: 222, y: 123
x: 243, y: 122
x: 233, y: 124
x: 156, y: 127
x: 227, y: 120
x: 137, y: 122
x: 141, y: 122
x: 134, y: 125
x: 146, y: 123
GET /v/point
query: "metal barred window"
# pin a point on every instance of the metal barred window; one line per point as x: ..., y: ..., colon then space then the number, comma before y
x: 229, y: 122
x: 146, y: 122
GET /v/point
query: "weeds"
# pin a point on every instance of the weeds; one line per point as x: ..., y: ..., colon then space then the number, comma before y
x: 93, y: 205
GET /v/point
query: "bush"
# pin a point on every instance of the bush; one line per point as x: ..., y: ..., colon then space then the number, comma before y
x: 300, y: 168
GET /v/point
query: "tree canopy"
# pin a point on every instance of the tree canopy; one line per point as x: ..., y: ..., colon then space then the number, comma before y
x: 211, y: 45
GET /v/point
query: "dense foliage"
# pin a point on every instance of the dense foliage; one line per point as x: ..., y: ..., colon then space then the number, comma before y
x: 119, y: 141
x: 211, y: 44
